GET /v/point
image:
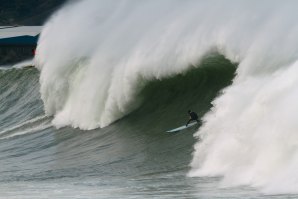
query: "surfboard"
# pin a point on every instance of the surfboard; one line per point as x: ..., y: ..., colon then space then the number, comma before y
x: 182, y: 127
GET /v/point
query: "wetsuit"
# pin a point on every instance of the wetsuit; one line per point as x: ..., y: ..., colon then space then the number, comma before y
x: 193, y: 117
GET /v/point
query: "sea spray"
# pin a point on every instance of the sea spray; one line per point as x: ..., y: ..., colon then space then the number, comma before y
x: 250, y: 136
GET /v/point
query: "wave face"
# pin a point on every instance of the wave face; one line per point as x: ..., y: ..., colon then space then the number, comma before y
x: 95, y: 64
x: 19, y: 100
x: 132, y: 158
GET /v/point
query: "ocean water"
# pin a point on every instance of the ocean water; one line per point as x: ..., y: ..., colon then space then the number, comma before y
x: 111, y: 77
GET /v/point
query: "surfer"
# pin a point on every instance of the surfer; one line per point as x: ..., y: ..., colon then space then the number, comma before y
x: 192, y: 117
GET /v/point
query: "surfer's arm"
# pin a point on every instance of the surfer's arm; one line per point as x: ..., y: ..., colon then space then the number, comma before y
x: 188, y: 122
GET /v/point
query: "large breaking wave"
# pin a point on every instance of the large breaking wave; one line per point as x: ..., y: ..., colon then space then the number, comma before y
x: 96, y: 56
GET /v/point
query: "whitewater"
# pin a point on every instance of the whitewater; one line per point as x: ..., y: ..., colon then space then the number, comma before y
x: 112, y: 77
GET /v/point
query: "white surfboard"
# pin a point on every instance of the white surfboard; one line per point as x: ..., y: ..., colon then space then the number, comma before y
x: 182, y: 127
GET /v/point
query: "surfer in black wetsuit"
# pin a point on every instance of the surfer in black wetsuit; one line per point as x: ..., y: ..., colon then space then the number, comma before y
x: 192, y: 117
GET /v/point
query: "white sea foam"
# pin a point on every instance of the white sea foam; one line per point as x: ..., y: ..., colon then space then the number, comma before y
x: 24, y: 64
x: 93, y: 55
